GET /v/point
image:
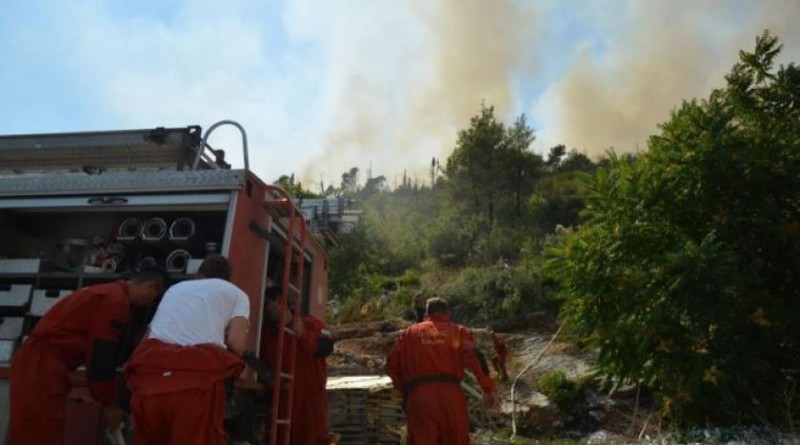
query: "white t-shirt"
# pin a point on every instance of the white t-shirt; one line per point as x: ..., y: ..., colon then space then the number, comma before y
x: 195, y: 312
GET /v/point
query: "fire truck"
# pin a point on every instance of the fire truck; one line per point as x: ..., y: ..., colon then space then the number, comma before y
x: 78, y: 209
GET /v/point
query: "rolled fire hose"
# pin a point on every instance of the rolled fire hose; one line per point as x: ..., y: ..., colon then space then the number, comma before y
x: 178, y: 260
x: 110, y: 264
x: 129, y: 229
x: 182, y: 229
x: 153, y: 230
x: 147, y: 261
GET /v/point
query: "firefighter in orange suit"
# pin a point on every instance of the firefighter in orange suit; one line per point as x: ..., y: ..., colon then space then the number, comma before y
x: 177, y: 375
x: 85, y: 327
x: 427, y: 366
x: 500, y: 355
x: 179, y: 393
x: 418, y: 306
x: 309, y: 424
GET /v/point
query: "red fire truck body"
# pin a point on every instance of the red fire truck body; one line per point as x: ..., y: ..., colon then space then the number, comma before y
x: 84, y: 208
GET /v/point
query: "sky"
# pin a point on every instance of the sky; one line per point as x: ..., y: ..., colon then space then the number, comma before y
x: 325, y: 85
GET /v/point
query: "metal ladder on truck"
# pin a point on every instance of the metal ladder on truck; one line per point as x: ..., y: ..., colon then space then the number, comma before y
x: 281, y: 205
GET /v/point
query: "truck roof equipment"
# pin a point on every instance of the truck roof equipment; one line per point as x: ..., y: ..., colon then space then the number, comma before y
x: 94, y: 152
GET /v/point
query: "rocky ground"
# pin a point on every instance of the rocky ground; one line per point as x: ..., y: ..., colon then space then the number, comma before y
x: 361, y: 349
x: 607, y: 416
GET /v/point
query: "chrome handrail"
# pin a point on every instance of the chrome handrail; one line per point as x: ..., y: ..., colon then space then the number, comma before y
x: 204, y: 142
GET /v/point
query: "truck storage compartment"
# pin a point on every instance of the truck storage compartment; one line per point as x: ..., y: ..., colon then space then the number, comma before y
x: 11, y: 327
x: 108, y: 242
x: 6, y: 349
x: 44, y: 299
x: 14, y: 298
x: 22, y: 265
x: 48, y: 250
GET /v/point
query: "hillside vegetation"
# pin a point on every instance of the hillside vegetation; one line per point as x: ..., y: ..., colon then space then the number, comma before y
x: 679, y: 265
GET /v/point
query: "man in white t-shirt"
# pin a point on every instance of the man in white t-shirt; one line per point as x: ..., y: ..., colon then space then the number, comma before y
x: 197, y: 312
x: 176, y: 376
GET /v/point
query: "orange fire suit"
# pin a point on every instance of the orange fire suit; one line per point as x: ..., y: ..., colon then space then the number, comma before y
x: 427, y: 366
x: 500, y: 355
x: 310, y: 422
x: 178, y: 393
x: 83, y: 328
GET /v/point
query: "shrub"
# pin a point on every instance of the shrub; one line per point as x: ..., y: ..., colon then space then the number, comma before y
x: 565, y: 393
x: 685, y: 272
x: 486, y: 295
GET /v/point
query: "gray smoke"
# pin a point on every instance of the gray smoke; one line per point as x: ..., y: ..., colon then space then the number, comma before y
x: 449, y: 56
x: 664, y: 53
x: 404, y: 77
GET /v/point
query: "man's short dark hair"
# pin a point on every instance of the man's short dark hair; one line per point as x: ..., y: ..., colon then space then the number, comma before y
x: 151, y: 273
x: 215, y: 266
x: 437, y: 305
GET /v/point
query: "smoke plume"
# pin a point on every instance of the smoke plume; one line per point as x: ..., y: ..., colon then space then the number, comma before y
x: 658, y: 54
x: 413, y: 78
x: 403, y: 79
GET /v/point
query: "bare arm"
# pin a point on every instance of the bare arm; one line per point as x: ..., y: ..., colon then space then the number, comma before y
x: 236, y: 334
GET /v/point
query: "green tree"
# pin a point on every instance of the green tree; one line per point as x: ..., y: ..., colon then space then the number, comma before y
x: 472, y: 169
x: 576, y: 161
x: 488, y: 179
x: 559, y: 199
x: 349, y: 187
x: 493, y: 294
x: 686, y: 274
x: 554, y: 157
x: 398, y: 221
x: 357, y: 256
x: 374, y: 186
x: 295, y: 188
x: 522, y: 166
x: 451, y: 237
